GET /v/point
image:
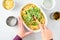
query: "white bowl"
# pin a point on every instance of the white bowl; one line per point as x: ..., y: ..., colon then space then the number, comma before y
x: 26, y: 25
x: 53, y: 4
x: 11, y: 8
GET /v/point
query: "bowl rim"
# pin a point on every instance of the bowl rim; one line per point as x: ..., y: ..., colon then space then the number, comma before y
x: 11, y: 8
x: 9, y: 19
x: 53, y: 5
x: 23, y: 21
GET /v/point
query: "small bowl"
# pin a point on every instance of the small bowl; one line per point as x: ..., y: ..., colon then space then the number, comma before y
x: 52, y: 5
x: 11, y: 21
x: 26, y: 25
x: 8, y: 9
x: 55, y: 15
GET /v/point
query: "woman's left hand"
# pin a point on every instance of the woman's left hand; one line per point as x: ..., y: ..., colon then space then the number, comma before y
x: 22, y: 32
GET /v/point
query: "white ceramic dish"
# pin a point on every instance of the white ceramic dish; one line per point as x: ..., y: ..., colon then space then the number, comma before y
x: 52, y: 4
x: 11, y: 8
x: 26, y: 25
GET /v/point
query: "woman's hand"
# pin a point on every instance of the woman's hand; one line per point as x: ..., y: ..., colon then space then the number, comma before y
x: 45, y: 33
x: 22, y: 32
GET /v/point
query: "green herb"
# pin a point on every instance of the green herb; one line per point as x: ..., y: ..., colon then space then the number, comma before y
x: 34, y: 23
x: 29, y: 15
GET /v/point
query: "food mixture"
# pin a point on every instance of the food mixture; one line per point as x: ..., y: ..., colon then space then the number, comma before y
x: 28, y: 13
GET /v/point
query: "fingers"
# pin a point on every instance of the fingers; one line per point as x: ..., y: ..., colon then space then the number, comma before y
x: 45, y: 28
x: 41, y: 27
x: 20, y: 24
x: 19, y: 20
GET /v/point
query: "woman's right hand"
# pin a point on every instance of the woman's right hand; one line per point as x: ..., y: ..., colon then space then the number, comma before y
x: 45, y: 33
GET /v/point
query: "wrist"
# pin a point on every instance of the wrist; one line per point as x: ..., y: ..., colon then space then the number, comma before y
x: 21, y: 35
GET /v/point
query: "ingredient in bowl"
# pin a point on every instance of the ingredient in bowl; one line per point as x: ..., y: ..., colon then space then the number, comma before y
x: 11, y: 21
x: 56, y: 15
x: 8, y: 4
x: 28, y: 13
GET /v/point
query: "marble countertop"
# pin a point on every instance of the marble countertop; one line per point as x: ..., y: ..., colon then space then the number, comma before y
x: 8, y: 33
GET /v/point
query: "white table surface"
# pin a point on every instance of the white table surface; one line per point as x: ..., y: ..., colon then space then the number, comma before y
x: 8, y: 33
